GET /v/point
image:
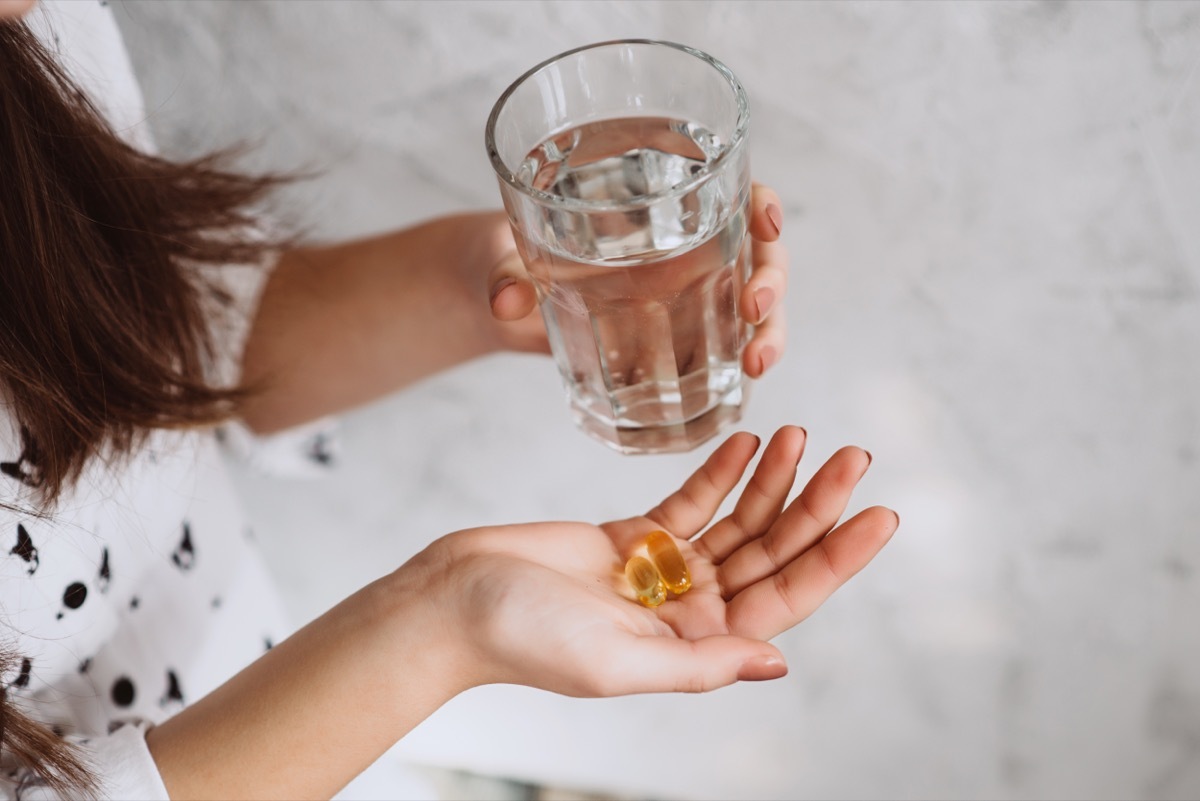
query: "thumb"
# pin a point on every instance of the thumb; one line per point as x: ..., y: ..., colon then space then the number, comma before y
x: 511, y: 294
x: 666, y: 664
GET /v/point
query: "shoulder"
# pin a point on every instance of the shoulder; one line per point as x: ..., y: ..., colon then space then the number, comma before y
x: 85, y: 37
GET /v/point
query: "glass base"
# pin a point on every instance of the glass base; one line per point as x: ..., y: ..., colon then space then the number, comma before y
x: 665, y: 438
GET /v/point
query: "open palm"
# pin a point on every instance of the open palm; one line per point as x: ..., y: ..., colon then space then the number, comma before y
x: 547, y: 604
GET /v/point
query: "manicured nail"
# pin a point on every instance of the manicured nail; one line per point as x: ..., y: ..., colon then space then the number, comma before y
x: 762, y: 668
x: 767, y: 357
x: 776, y: 217
x: 499, y: 287
x: 764, y: 299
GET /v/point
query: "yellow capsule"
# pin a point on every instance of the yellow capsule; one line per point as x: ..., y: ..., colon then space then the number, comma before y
x: 645, y: 581
x: 665, y: 555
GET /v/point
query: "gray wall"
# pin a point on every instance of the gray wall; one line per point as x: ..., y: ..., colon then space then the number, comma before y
x: 993, y: 212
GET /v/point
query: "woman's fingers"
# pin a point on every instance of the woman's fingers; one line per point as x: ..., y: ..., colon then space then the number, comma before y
x: 511, y: 295
x: 761, y: 300
x: 814, y: 512
x: 766, y: 213
x: 769, y: 263
x: 688, y: 509
x: 656, y: 664
x: 783, y: 599
x: 763, y: 498
x: 761, y: 303
x: 513, y: 300
x: 767, y: 283
x: 765, y: 348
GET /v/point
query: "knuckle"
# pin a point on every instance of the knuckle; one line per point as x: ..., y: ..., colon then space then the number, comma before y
x: 771, y: 548
x: 807, y: 513
x: 827, y: 562
x: 786, y: 587
x: 694, y: 683
x: 600, y: 680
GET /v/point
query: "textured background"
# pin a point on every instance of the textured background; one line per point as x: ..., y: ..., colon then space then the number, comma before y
x: 994, y: 217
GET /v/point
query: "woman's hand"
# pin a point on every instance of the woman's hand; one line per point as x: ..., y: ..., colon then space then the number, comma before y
x: 519, y: 326
x: 543, y: 605
x: 547, y: 604
x: 340, y: 325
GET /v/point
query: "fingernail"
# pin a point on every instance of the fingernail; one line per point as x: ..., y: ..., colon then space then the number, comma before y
x: 893, y: 511
x: 762, y: 668
x: 764, y: 299
x: 868, y: 453
x: 776, y: 217
x: 499, y: 287
x: 767, y: 357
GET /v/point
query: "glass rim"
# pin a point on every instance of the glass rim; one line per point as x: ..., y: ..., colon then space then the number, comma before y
x: 712, y: 167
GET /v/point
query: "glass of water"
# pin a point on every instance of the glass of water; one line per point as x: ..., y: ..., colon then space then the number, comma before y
x: 624, y: 171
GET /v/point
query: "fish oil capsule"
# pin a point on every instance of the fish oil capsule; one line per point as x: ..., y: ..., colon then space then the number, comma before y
x: 665, y: 555
x: 645, y: 581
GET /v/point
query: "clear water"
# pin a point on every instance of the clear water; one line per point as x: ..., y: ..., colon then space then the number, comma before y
x: 641, y: 307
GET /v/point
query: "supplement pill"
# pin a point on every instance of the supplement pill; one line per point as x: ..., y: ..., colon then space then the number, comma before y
x: 645, y: 581
x: 669, y: 561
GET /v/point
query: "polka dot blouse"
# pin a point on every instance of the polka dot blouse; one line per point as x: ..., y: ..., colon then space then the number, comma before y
x: 142, y: 590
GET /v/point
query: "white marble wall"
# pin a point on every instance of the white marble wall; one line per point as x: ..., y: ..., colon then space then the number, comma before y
x: 994, y: 216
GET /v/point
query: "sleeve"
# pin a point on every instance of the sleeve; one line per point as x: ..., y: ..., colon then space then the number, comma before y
x: 36, y: 559
x: 124, y: 766
x: 306, y: 451
x: 86, y: 38
x: 121, y: 762
x: 237, y: 290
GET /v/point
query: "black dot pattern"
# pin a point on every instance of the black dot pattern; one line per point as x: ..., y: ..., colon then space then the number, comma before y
x: 319, y: 450
x: 173, y: 694
x: 185, y: 553
x: 75, y: 595
x: 110, y: 607
x: 26, y: 550
x: 122, y: 692
x: 105, y: 575
x: 22, y: 679
x: 26, y: 469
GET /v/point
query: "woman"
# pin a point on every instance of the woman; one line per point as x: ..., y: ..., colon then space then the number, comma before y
x: 142, y: 653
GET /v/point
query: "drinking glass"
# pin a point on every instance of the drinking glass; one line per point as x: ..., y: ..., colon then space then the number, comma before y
x: 623, y: 168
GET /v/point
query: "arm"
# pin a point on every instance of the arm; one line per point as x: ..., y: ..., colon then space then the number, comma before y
x: 340, y: 326
x: 343, y: 325
x: 543, y: 605
x: 317, y: 709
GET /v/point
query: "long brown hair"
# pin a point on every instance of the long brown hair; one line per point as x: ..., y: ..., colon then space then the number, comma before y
x: 105, y: 306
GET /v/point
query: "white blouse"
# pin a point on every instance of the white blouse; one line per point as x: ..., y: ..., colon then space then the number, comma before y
x: 141, y: 590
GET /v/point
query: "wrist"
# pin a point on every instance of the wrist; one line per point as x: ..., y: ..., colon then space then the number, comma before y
x: 414, y: 610
x: 448, y: 257
x: 319, y: 707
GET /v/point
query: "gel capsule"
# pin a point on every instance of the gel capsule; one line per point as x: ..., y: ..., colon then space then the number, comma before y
x: 645, y: 581
x: 666, y: 557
